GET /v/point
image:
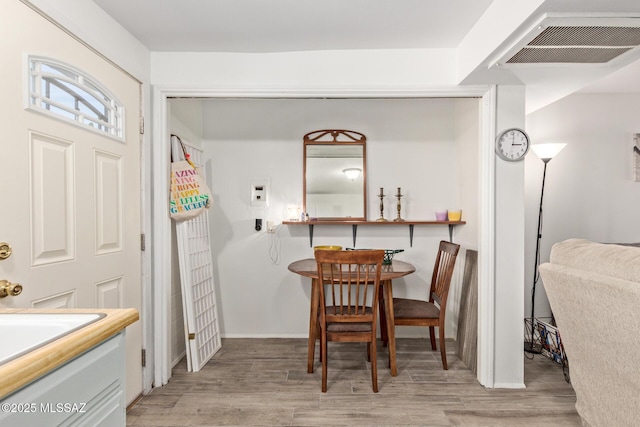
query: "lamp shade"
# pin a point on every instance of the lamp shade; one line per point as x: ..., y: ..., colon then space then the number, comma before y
x: 548, y: 151
x: 352, y: 173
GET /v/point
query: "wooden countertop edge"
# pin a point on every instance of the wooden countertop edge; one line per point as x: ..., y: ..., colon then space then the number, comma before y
x: 21, y: 371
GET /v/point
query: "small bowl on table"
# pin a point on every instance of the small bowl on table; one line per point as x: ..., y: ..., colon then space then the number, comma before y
x: 328, y: 248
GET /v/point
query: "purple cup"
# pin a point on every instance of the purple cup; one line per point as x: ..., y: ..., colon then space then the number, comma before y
x: 442, y: 215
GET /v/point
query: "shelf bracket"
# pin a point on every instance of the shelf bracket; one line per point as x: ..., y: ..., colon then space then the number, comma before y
x: 311, y: 235
x: 354, y: 229
x: 411, y: 235
x: 451, y: 233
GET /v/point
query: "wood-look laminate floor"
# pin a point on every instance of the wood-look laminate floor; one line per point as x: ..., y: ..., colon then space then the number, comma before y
x: 264, y: 382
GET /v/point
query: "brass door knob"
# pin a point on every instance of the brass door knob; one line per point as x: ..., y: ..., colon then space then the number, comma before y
x: 9, y: 289
x: 5, y: 250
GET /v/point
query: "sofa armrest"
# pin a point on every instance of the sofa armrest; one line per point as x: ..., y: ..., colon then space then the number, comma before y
x: 598, y: 320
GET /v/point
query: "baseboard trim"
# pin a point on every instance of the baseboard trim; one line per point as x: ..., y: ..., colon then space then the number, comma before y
x: 509, y: 385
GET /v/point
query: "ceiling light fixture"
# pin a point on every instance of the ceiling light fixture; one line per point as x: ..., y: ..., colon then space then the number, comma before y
x: 352, y: 173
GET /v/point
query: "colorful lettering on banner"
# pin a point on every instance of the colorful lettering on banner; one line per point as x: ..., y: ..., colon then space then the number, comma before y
x: 186, y: 172
x: 189, y: 193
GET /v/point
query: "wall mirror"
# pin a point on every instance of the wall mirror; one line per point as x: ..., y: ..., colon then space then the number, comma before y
x: 334, y: 184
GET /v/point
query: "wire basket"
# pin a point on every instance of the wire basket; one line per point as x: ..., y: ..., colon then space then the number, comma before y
x: 546, y: 341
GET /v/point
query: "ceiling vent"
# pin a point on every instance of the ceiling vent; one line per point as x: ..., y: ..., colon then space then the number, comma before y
x: 576, y: 41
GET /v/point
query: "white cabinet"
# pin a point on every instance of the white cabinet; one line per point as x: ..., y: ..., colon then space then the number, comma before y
x: 87, y: 391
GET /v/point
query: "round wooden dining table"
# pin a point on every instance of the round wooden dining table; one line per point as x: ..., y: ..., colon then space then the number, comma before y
x: 309, y: 268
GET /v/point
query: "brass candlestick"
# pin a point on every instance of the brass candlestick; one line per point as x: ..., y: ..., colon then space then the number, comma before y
x: 382, y: 218
x: 399, y: 195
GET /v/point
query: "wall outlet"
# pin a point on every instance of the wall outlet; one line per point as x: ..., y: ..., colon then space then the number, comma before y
x: 271, y: 226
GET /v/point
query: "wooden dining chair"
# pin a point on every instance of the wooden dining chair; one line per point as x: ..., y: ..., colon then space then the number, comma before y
x: 349, y: 287
x: 431, y: 313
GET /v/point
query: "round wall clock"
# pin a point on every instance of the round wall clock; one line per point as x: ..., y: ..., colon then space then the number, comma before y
x: 512, y: 145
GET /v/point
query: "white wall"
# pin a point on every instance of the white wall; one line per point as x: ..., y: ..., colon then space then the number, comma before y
x: 318, y: 69
x: 412, y: 144
x: 89, y: 22
x: 589, y: 190
x: 186, y: 120
x: 466, y: 128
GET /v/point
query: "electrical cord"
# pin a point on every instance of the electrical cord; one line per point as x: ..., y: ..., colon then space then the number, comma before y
x: 274, y: 245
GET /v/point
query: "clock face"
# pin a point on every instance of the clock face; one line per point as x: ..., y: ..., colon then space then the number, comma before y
x: 512, y: 145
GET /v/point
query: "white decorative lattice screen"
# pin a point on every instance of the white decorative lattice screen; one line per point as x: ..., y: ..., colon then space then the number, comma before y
x: 199, y: 302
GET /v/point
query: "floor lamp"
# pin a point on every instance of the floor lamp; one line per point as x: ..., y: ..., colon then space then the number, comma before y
x: 545, y: 152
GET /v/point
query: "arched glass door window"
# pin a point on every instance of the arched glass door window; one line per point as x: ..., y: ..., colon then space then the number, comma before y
x: 64, y: 92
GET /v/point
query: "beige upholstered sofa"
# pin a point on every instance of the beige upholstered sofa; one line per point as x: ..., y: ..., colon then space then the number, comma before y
x: 594, y: 291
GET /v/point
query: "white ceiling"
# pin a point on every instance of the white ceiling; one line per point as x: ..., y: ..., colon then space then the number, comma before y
x: 295, y: 25
x: 262, y: 26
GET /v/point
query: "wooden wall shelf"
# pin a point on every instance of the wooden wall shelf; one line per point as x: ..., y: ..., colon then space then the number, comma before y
x: 354, y: 226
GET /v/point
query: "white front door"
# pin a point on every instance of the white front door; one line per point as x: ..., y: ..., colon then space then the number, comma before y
x: 69, y: 195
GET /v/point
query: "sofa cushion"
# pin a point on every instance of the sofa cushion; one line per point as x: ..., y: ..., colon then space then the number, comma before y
x: 608, y: 259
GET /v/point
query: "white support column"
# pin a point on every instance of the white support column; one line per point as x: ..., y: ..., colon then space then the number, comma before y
x: 509, y: 249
